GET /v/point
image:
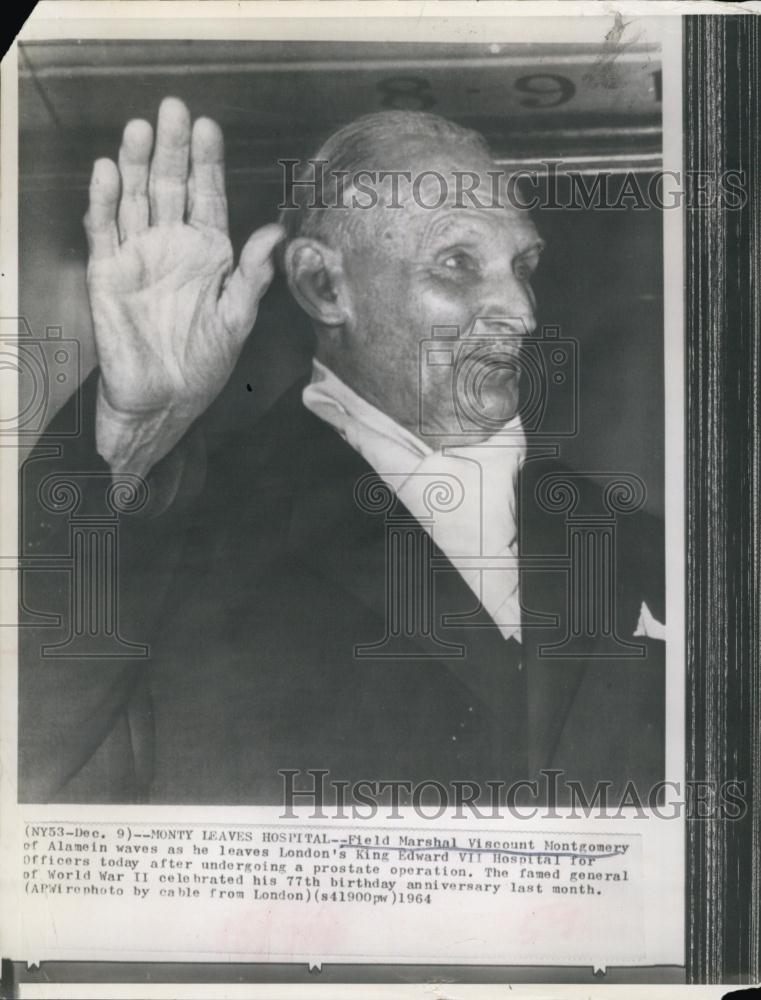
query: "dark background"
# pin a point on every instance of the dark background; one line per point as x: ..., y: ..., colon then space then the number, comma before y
x: 601, y: 278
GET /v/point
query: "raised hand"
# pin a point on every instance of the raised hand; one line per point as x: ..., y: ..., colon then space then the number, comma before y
x: 169, y: 312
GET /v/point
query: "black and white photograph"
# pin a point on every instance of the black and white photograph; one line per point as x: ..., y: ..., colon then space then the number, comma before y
x: 382, y: 377
x: 351, y: 430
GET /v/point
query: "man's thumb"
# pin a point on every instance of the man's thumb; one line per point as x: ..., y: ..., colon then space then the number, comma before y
x: 250, y: 280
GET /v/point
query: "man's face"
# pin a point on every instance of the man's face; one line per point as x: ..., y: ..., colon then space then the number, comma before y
x: 467, y: 269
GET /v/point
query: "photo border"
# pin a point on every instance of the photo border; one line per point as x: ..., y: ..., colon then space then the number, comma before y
x: 722, y: 110
x: 722, y: 105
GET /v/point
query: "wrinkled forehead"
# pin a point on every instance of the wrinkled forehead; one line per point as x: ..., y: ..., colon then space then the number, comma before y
x: 424, y: 190
x: 438, y: 213
x: 457, y: 222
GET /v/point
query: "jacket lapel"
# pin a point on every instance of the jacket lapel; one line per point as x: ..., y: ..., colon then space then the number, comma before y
x: 336, y: 535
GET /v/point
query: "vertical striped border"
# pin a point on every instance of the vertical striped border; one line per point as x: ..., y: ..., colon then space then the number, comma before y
x: 723, y: 447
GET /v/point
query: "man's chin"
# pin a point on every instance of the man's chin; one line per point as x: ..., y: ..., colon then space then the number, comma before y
x: 496, y: 405
x: 482, y: 418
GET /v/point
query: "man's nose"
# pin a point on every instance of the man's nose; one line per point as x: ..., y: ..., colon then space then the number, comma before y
x: 509, y: 303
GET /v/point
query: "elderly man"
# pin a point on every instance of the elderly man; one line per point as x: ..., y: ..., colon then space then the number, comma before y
x: 346, y: 584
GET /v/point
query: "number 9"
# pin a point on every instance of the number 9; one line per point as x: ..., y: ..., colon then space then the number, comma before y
x: 549, y: 91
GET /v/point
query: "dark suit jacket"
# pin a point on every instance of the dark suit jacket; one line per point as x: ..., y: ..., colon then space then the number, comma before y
x: 251, y: 590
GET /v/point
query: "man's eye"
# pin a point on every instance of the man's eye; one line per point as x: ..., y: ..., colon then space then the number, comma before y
x: 522, y: 271
x: 459, y: 261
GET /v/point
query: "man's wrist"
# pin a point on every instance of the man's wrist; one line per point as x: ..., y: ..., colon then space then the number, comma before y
x: 133, y: 443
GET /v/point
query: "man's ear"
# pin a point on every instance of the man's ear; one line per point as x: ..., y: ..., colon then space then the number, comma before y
x: 317, y: 281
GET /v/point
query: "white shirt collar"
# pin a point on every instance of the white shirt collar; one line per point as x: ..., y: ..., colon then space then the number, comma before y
x: 371, y: 432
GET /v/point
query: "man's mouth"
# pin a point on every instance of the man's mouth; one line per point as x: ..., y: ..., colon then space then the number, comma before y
x: 493, y: 360
x: 491, y: 383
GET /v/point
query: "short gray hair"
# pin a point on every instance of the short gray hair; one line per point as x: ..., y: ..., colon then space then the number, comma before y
x: 359, y: 146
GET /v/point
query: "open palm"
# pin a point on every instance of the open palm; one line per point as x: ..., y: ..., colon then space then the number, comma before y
x: 170, y: 313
